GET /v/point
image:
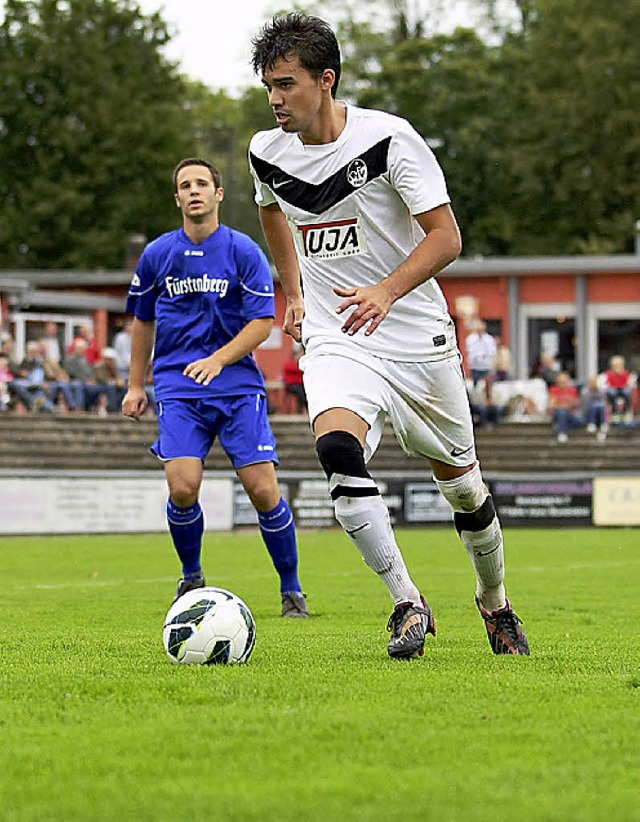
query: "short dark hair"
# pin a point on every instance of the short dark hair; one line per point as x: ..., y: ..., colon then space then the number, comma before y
x: 308, y: 38
x: 197, y: 161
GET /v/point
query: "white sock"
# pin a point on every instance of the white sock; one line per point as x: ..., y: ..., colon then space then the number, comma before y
x: 366, y: 521
x: 486, y: 550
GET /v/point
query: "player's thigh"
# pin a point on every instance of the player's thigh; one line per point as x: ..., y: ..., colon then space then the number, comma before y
x: 245, y: 434
x: 345, y: 394
x: 187, y: 428
x: 431, y: 415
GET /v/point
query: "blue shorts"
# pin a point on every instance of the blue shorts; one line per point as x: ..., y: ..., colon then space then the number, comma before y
x: 188, y: 428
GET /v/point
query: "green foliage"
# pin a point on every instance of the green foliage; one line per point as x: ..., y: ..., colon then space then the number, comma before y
x: 536, y: 122
x: 93, y: 120
x: 98, y: 724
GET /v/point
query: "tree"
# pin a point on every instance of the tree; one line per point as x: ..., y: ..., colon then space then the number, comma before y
x: 575, y: 147
x: 92, y: 120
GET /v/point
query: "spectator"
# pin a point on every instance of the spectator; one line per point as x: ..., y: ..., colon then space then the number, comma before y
x: 83, y: 378
x: 91, y: 350
x: 50, y: 344
x: 29, y: 383
x: 595, y: 408
x: 57, y: 380
x: 502, y: 364
x: 122, y: 347
x: 6, y: 378
x: 106, y: 374
x: 619, y: 382
x: 548, y: 369
x: 564, y: 404
x: 486, y: 412
x: 293, y: 384
x: 481, y: 352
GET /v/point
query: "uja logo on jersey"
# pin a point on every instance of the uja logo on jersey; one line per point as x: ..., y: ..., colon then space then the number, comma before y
x: 324, y: 241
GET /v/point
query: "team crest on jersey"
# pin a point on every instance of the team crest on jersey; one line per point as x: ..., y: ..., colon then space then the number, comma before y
x: 325, y: 241
x: 357, y: 173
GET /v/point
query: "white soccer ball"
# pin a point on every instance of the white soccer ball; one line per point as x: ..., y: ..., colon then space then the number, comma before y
x: 209, y: 626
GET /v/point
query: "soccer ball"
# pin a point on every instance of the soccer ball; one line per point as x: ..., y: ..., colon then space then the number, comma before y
x: 209, y: 626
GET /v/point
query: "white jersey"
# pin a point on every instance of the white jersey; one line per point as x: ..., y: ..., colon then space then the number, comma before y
x: 349, y: 205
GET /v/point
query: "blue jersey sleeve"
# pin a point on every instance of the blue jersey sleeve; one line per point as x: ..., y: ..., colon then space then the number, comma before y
x: 142, y: 296
x: 256, y: 280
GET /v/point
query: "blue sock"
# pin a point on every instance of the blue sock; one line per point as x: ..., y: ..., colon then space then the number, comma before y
x: 187, y: 527
x: 279, y: 534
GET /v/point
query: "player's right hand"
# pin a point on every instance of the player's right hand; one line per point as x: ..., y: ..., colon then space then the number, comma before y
x: 134, y: 403
x: 293, y: 316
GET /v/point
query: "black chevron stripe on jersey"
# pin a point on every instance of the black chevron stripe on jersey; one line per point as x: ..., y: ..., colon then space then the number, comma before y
x: 318, y: 197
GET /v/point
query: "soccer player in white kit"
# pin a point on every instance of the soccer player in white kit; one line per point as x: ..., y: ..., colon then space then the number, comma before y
x: 355, y: 209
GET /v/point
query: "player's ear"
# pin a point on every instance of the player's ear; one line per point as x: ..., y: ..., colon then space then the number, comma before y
x: 177, y: 199
x: 328, y: 78
x: 220, y: 194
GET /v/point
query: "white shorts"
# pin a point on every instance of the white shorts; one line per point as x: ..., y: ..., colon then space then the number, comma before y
x: 426, y: 402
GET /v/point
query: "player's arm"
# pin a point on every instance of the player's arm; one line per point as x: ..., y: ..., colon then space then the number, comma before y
x: 278, y: 236
x: 247, y: 340
x: 135, y: 400
x: 440, y: 246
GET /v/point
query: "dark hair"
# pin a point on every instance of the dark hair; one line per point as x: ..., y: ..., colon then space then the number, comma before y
x: 197, y: 161
x: 308, y: 38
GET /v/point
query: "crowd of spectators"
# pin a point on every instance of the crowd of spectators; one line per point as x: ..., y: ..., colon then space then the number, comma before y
x: 81, y: 380
x: 603, y: 400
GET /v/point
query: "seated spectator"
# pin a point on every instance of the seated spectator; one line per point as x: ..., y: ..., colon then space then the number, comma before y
x: 83, y: 379
x: 481, y: 352
x: 618, y: 384
x: 485, y: 410
x: 106, y: 374
x: 57, y: 381
x: 502, y: 366
x: 91, y: 351
x: 293, y: 384
x: 6, y: 378
x: 29, y: 383
x: 595, y: 408
x: 564, y: 404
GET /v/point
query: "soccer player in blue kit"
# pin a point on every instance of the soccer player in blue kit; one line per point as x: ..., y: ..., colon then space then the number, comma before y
x: 203, y: 300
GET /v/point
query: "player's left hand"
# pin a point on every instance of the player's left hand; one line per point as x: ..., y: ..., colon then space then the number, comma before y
x: 203, y: 371
x: 373, y: 303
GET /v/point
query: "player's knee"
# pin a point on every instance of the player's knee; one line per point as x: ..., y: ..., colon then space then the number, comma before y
x: 183, y: 491
x: 477, y: 520
x: 342, y: 458
x: 469, y: 497
x: 340, y: 452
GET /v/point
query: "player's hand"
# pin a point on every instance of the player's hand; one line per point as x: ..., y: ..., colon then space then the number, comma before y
x: 293, y: 315
x: 203, y: 371
x: 134, y: 403
x: 372, y: 306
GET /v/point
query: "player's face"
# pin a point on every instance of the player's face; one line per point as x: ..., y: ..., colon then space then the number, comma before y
x: 196, y: 193
x: 295, y: 95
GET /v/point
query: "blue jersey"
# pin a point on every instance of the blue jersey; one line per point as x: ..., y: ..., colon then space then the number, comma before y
x: 201, y: 296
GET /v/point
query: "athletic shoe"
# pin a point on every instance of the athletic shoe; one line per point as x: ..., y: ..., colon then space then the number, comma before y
x: 409, y: 625
x: 504, y: 631
x: 294, y: 604
x: 188, y: 584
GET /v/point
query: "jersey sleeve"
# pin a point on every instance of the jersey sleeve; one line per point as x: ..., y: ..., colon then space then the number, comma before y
x: 256, y: 280
x: 262, y: 193
x: 415, y: 173
x: 141, y: 299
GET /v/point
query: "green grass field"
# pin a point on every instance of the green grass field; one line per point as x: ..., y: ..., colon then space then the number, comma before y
x: 97, y: 724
